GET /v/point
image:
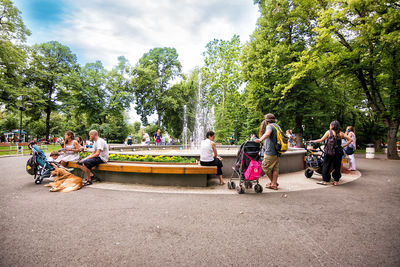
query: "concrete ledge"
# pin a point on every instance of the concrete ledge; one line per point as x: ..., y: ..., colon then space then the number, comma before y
x: 151, y: 173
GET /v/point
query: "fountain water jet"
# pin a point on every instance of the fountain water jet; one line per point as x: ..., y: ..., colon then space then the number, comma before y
x: 204, y: 117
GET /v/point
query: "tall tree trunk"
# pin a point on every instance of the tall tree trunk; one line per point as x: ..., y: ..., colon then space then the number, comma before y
x: 392, y: 129
x: 159, y: 120
x: 378, y: 144
x: 48, y: 113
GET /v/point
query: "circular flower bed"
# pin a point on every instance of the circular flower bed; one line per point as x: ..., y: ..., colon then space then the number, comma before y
x: 145, y: 158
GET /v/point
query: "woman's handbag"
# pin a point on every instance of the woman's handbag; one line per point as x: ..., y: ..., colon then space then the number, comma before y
x: 349, y: 150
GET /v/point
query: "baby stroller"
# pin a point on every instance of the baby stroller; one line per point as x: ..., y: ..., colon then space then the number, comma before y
x: 38, y: 166
x: 314, y: 160
x: 248, y: 151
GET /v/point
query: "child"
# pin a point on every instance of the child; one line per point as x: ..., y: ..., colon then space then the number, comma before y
x: 56, y: 163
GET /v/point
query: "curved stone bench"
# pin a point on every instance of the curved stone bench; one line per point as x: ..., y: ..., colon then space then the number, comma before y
x: 152, y: 173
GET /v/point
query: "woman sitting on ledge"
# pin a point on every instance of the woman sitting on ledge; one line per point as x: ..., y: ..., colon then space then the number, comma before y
x: 71, y: 149
x: 209, y: 155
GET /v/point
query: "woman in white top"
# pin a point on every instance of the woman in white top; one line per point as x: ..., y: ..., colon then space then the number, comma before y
x: 209, y: 155
x: 352, y: 159
x: 71, y: 149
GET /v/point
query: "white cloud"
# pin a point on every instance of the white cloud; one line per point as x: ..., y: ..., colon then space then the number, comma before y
x: 104, y: 30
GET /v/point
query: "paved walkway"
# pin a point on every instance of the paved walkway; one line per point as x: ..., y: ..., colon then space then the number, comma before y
x: 354, y: 224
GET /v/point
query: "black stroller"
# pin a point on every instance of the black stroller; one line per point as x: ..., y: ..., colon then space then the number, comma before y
x: 248, y: 150
x: 38, y: 166
x: 314, y: 160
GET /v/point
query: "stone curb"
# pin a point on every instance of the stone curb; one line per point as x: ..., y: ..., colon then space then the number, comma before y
x: 289, y: 182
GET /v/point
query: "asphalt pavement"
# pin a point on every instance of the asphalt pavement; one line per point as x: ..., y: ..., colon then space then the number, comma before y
x: 354, y: 224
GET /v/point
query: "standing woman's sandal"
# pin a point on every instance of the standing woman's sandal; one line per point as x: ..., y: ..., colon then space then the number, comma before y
x: 273, y: 187
x: 322, y: 183
x: 87, y: 183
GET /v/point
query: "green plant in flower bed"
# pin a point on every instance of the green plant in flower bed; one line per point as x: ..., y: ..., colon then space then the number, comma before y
x: 145, y: 158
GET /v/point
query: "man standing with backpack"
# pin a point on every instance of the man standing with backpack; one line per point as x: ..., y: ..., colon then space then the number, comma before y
x: 270, y: 165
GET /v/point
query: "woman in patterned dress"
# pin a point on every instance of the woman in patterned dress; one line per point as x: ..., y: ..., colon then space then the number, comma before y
x: 71, y: 149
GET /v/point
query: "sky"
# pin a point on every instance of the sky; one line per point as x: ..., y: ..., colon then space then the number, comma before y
x: 106, y: 29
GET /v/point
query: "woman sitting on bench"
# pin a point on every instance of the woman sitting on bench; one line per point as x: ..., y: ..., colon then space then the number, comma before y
x: 209, y: 155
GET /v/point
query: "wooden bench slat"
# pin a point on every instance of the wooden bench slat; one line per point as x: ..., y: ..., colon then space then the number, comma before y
x: 208, y: 170
x: 152, y: 168
x: 169, y: 170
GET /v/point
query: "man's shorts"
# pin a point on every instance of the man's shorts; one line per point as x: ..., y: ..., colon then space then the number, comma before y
x: 270, y: 164
x: 92, y: 162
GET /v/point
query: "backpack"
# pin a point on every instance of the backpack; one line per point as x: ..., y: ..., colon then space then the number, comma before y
x: 31, y: 166
x: 282, y: 141
x: 254, y: 169
x: 331, y: 145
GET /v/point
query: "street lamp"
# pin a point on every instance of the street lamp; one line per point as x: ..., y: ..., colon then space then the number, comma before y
x: 22, y: 108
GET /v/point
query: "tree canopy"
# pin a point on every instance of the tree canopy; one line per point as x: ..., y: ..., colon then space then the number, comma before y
x: 308, y: 61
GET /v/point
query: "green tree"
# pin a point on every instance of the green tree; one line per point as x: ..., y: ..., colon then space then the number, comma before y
x: 179, y: 95
x: 119, y: 88
x: 222, y: 79
x: 50, y: 64
x: 136, y: 127
x: 13, y: 34
x: 151, y: 78
x: 90, y: 94
x: 360, y: 39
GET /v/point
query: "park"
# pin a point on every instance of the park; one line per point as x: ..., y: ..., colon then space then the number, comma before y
x: 160, y: 142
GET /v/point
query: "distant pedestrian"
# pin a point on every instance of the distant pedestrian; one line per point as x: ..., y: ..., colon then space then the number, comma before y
x: 157, y: 137
x: 129, y: 140
x: 146, y: 138
x: 232, y: 139
x: 170, y: 141
x: 292, y: 138
x: 352, y: 146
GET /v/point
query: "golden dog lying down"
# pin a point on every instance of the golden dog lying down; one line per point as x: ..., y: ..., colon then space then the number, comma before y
x: 64, y: 181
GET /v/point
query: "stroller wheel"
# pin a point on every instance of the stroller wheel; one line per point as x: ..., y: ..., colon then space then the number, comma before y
x: 38, y: 181
x: 308, y: 173
x: 258, y: 188
x: 240, y: 189
x: 233, y: 185
x: 229, y: 185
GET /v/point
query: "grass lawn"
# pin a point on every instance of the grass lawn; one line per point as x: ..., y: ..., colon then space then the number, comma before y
x: 4, y: 150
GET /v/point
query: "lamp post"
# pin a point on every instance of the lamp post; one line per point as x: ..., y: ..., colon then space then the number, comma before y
x: 22, y: 108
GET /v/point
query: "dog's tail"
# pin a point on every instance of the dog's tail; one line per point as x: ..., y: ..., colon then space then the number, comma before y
x: 72, y: 188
